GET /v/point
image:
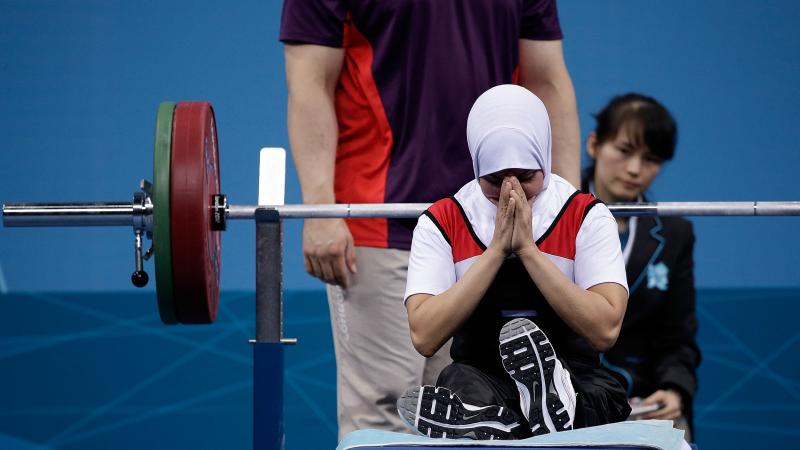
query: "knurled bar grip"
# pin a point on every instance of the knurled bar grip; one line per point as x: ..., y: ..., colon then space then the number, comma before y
x: 121, y: 214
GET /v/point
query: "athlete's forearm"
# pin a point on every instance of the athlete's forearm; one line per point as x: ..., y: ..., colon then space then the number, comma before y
x: 590, y: 314
x: 433, y: 319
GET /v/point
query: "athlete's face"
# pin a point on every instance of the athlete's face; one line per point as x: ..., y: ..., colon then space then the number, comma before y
x: 624, y: 166
x: 532, y: 182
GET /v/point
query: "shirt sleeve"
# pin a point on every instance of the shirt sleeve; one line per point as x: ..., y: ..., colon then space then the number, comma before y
x: 598, y: 256
x: 430, y: 266
x: 319, y: 22
x: 540, y: 21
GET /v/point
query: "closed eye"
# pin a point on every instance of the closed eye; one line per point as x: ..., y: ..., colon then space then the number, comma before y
x: 494, y: 181
x: 526, y: 177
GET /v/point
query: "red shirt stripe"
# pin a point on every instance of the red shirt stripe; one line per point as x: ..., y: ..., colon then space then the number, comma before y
x: 365, y: 140
x: 558, y: 240
x: 455, y: 228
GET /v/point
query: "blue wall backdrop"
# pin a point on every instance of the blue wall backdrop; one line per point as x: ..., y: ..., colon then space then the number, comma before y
x: 81, y: 80
x: 84, y: 362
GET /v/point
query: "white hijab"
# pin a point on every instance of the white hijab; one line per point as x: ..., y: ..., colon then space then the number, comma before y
x: 508, y: 128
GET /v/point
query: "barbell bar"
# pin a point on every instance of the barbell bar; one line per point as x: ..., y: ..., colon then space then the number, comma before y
x: 183, y: 212
x: 122, y: 214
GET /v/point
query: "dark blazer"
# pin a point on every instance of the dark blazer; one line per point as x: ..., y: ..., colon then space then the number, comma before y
x: 656, y: 348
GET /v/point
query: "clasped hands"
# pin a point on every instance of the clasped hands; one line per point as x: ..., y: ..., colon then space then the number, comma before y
x: 513, y: 228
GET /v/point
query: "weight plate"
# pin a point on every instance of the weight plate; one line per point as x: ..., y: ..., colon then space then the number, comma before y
x: 194, y: 180
x: 161, y: 217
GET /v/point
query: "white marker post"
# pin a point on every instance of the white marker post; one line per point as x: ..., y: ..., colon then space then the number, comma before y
x: 272, y: 176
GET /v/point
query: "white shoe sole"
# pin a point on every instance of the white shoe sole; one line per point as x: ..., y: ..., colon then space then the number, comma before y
x: 530, y: 360
x: 438, y: 413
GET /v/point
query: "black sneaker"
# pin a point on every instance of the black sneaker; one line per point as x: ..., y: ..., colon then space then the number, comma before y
x: 547, y: 397
x: 438, y: 413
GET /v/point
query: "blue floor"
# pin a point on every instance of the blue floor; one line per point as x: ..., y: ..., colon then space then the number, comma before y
x: 99, y: 371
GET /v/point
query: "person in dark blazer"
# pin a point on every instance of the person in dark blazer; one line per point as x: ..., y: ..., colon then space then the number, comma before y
x: 656, y: 355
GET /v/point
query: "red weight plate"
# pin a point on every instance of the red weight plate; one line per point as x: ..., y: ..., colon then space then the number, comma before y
x: 194, y: 180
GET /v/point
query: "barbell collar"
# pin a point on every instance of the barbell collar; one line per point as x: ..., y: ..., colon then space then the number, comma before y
x: 142, y: 212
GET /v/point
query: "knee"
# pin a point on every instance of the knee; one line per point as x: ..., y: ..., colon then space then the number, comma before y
x: 451, y: 374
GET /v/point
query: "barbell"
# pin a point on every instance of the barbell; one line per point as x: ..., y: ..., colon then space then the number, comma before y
x: 183, y: 212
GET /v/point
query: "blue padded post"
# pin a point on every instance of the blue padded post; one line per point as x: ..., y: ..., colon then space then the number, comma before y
x: 268, y: 396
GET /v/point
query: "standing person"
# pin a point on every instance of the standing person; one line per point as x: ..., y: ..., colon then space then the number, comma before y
x: 656, y: 356
x: 526, y: 275
x: 379, y: 92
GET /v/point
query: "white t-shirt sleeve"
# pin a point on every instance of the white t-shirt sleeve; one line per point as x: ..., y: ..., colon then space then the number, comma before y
x: 598, y: 256
x: 430, y: 266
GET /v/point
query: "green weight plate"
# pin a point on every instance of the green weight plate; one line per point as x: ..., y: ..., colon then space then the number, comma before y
x: 161, y: 213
